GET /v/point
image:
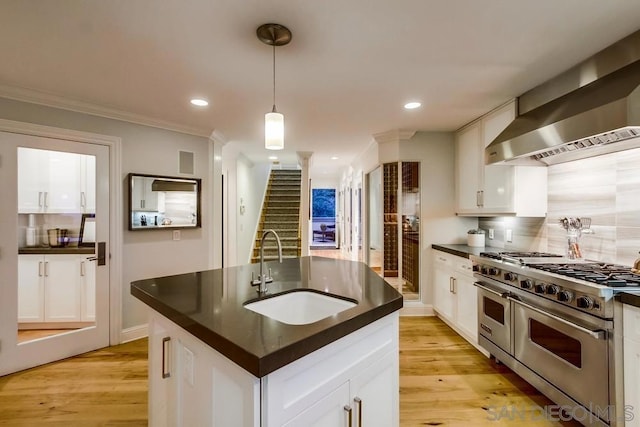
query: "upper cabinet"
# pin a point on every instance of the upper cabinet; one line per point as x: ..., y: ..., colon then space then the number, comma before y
x: 143, y: 197
x: 55, y: 182
x: 495, y: 190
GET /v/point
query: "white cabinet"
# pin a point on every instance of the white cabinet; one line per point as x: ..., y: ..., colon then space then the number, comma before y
x: 192, y: 384
x: 143, y: 198
x: 631, y: 342
x: 455, y: 296
x: 56, y: 288
x: 31, y: 288
x: 495, y: 189
x: 330, y: 411
x: 55, y: 181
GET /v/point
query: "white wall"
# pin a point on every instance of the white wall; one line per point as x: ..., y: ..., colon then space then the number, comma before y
x: 438, y: 221
x: 245, y: 185
x: 144, y: 150
x: 251, y: 180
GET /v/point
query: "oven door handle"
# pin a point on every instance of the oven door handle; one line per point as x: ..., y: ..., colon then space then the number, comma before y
x: 491, y: 291
x: 597, y: 334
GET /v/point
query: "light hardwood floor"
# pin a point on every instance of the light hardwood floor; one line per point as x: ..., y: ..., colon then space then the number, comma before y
x: 444, y: 381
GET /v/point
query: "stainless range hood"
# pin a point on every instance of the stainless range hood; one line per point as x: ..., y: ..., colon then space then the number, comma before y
x: 591, y: 109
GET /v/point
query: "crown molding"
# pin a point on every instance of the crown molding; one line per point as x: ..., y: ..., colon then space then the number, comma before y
x: 51, y: 100
x: 395, y: 135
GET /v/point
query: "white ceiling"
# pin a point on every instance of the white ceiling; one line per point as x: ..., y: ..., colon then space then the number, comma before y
x: 345, y: 76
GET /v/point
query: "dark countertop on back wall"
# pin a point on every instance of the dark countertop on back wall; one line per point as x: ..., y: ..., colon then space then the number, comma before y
x: 210, y: 306
x: 631, y: 298
x: 68, y: 250
x: 464, y: 250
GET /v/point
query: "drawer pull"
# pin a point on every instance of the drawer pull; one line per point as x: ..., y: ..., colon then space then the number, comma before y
x: 359, y: 403
x: 348, y: 410
x: 165, y: 358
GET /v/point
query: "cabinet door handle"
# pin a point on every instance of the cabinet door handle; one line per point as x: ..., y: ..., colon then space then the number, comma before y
x: 451, y: 284
x: 46, y: 269
x: 481, y: 198
x: 40, y: 269
x: 83, y: 199
x: 40, y: 202
x: 455, y: 285
x: 46, y: 199
x: 358, y: 401
x: 347, y: 409
x: 165, y: 359
x: 478, y: 198
x: 82, y: 269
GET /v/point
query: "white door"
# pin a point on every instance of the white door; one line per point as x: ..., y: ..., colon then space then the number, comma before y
x: 81, y: 337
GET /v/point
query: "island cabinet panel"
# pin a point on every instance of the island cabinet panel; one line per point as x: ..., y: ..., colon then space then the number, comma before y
x: 366, y: 361
x: 190, y: 383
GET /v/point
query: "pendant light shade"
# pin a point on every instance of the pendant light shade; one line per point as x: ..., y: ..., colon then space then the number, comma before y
x: 274, y: 130
x: 274, y: 35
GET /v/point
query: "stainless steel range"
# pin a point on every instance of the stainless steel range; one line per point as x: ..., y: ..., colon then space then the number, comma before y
x: 552, y: 320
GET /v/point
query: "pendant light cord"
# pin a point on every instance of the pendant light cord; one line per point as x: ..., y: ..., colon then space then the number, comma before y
x: 274, y: 76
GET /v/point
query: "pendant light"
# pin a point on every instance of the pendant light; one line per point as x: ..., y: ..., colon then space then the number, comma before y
x: 274, y: 35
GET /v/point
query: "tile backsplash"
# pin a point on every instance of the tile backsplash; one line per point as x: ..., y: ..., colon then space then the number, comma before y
x: 604, y: 188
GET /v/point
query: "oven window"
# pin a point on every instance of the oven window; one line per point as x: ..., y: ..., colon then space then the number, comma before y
x: 493, y: 310
x: 556, y: 342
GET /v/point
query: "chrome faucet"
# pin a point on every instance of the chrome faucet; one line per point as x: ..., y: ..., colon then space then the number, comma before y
x: 263, y: 279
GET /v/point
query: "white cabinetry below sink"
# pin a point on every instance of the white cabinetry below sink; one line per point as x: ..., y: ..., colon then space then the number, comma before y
x: 192, y: 384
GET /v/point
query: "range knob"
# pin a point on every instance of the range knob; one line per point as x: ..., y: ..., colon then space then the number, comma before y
x: 527, y: 284
x: 552, y: 290
x: 565, y: 296
x: 483, y: 270
x: 584, y: 302
x: 541, y: 288
x: 493, y: 271
x: 510, y: 277
x: 476, y: 267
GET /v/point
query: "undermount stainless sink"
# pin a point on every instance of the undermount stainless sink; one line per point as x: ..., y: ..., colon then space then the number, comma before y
x: 300, y: 307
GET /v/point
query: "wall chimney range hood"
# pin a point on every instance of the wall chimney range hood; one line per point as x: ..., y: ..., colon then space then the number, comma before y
x: 589, y: 110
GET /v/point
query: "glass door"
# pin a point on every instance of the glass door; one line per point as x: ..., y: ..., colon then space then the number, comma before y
x: 55, y: 295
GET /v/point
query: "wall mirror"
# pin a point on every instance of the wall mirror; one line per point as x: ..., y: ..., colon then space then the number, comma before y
x: 160, y: 202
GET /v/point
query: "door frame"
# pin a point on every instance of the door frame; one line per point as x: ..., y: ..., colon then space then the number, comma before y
x: 115, y: 205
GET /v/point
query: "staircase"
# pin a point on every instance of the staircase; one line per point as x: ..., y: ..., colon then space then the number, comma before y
x: 281, y: 213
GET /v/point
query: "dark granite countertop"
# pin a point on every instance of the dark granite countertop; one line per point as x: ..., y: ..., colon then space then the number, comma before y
x: 75, y: 250
x: 631, y: 298
x: 464, y: 251
x: 209, y: 305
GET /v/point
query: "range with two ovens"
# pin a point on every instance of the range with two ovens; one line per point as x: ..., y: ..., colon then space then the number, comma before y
x: 553, y: 321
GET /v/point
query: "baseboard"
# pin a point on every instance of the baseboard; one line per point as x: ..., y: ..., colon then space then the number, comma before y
x: 134, y: 333
x: 416, y: 308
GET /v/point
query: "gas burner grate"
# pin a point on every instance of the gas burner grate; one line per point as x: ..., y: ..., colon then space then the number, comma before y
x: 503, y: 255
x: 600, y: 273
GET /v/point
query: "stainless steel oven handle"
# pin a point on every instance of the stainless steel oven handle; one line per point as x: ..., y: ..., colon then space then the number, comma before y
x: 599, y: 334
x: 491, y: 291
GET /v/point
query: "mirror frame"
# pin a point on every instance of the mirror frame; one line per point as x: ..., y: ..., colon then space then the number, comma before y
x: 130, y: 211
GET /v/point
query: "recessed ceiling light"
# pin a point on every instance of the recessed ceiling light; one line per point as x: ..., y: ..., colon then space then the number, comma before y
x: 412, y: 105
x: 200, y: 102
x: 334, y: 158
x: 273, y: 157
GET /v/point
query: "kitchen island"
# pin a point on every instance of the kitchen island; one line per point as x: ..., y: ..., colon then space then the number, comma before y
x: 213, y: 361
